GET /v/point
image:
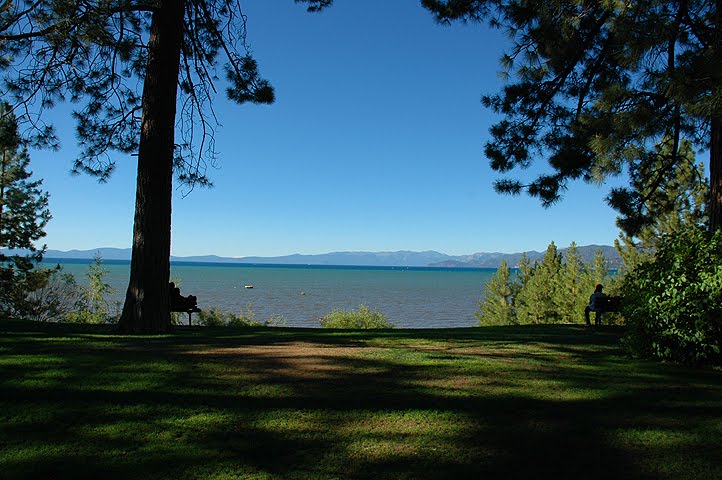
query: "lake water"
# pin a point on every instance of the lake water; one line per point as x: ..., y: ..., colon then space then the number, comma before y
x: 409, y: 297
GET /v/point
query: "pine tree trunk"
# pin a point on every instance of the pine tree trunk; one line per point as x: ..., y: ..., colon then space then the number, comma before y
x: 146, y: 308
x: 715, y: 175
x: 715, y: 151
x: 3, y: 166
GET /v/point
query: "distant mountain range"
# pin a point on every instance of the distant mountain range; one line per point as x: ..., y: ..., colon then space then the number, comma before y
x: 381, y: 259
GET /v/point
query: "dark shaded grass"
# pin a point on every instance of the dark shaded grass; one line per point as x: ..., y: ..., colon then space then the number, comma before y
x: 558, y: 401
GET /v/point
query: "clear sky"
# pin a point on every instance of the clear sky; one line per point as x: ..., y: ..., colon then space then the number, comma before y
x: 375, y: 143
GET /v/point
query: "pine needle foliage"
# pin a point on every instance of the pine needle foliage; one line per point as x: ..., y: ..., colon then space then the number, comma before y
x: 24, y: 214
x: 594, y: 86
x: 497, y: 307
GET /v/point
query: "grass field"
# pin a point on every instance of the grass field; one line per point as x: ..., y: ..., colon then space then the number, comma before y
x: 506, y: 402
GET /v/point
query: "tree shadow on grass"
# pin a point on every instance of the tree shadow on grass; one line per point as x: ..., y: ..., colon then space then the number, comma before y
x: 310, y: 404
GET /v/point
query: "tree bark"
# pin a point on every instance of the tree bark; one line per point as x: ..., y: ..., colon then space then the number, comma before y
x: 146, y: 308
x: 3, y: 167
x: 715, y: 150
x: 715, y: 175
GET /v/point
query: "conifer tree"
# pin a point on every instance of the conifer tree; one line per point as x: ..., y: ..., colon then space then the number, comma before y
x: 573, y: 293
x: 497, y: 307
x: 598, y: 273
x: 537, y: 301
x: 23, y: 216
x: 526, y: 271
x: 555, y: 290
x: 595, y: 85
x: 686, y: 191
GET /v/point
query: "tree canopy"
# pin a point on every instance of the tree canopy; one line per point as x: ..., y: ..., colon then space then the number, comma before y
x: 680, y: 205
x: 595, y: 86
x: 95, y: 54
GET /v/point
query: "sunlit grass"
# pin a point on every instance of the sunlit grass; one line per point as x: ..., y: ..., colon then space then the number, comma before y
x: 82, y: 402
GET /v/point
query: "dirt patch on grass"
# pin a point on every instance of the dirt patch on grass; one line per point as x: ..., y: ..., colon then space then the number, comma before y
x: 296, y: 359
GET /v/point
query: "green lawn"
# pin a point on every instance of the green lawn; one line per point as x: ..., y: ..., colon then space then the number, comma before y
x: 511, y: 402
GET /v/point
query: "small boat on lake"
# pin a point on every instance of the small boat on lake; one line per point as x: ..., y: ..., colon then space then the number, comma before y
x: 248, y: 286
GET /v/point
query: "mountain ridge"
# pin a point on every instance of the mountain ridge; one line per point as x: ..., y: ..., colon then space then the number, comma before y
x: 400, y: 258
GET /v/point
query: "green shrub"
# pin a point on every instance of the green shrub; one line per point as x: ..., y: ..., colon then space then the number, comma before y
x: 243, y: 319
x: 56, y: 299
x: 92, y: 305
x: 211, y: 317
x: 362, y: 318
x: 215, y: 317
x: 275, y: 320
x: 673, y: 302
x: 85, y: 316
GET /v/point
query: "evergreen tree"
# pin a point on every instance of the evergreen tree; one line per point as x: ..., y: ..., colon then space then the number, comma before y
x: 685, y: 191
x: 573, y: 293
x: 598, y: 273
x: 537, y: 300
x: 497, y: 307
x: 526, y: 271
x: 127, y: 65
x: 555, y: 290
x: 23, y: 216
x: 596, y: 85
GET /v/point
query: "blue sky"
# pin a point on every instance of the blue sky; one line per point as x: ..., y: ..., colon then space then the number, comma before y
x: 375, y: 143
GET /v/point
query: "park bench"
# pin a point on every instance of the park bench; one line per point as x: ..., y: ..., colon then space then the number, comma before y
x: 603, y: 305
x: 608, y: 304
x: 179, y: 303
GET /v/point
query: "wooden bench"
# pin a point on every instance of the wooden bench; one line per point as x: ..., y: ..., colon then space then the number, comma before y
x: 179, y: 303
x: 607, y: 304
x: 602, y: 305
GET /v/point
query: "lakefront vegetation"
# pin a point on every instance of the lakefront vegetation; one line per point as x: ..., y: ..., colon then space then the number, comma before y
x: 554, y: 290
x: 363, y: 318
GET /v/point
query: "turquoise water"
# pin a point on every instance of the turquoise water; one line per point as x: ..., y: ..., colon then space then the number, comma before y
x: 409, y: 297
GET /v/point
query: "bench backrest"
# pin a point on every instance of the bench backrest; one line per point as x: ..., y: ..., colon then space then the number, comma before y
x: 608, y: 303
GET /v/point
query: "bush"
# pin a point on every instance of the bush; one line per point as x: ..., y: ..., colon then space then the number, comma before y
x: 92, y: 305
x: 243, y: 319
x: 362, y: 318
x: 55, y: 299
x: 211, y: 317
x: 275, y: 320
x: 215, y: 317
x: 673, y: 303
x: 85, y: 316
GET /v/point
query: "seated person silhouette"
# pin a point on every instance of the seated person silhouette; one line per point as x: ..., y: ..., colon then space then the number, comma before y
x: 179, y: 301
x: 175, y: 295
x: 594, y: 307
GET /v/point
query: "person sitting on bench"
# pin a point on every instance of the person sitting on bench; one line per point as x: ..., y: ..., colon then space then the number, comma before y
x: 178, y: 301
x: 594, y: 307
